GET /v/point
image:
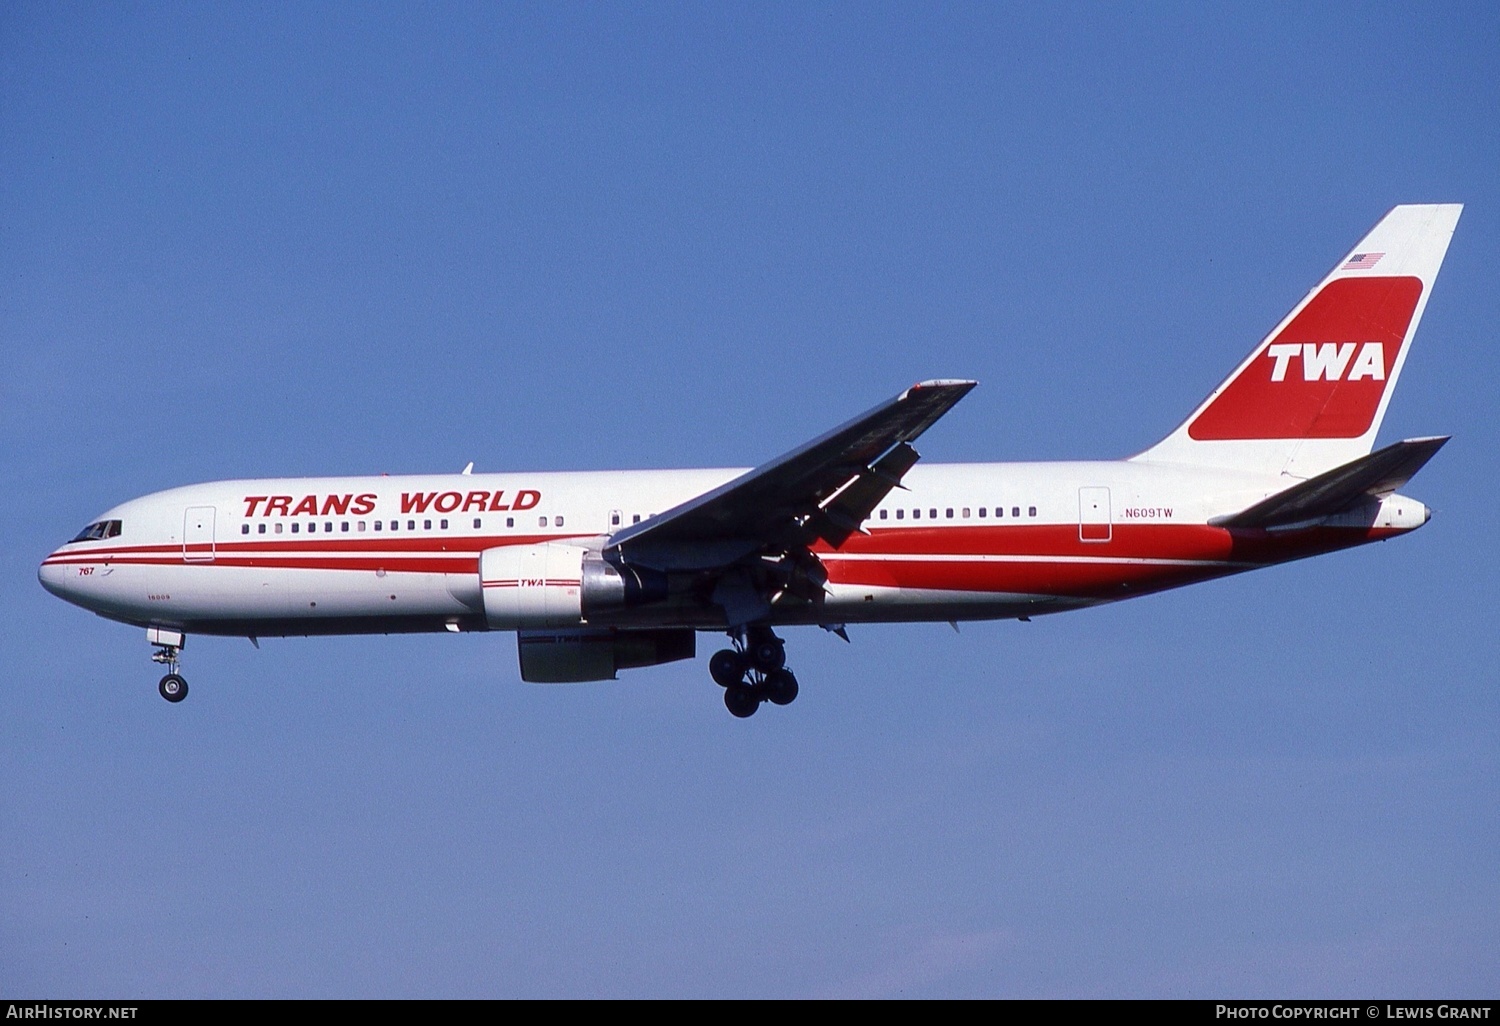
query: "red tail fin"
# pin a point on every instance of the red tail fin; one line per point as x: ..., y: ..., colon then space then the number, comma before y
x: 1312, y: 395
x: 1324, y: 374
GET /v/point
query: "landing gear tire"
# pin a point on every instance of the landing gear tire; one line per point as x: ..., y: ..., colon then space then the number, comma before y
x: 741, y: 701
x: 727, y: 668
x: 781, y: 687
x: 769, y: 655
x: 173, y: 688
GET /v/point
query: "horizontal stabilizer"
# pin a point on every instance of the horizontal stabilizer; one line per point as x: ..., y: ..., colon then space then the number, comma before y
x: 1374, y: 476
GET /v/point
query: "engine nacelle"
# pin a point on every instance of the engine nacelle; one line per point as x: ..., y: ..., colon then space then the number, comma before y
x: 573, y: 656
x: 558, y: 584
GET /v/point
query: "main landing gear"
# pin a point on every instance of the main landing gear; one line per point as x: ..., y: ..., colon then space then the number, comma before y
x: 173, y: 686
x: 752, y: 672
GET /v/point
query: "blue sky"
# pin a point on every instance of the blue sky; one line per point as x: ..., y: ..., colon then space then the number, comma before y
x: 249, y: 240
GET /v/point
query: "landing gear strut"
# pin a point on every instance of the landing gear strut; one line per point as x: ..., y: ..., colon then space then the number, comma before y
x: 754, y: 671
x: 173, y: 686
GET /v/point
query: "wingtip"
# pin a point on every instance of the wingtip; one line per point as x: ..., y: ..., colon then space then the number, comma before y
x: 959, y: 386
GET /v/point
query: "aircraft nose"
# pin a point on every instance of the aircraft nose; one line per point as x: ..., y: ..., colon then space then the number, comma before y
x: 53, y: 577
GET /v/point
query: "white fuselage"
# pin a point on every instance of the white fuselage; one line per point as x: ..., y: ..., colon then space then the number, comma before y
x: 383, y: 554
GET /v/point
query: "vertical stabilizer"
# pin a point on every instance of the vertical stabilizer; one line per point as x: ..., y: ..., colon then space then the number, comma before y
x: 1312, y: 395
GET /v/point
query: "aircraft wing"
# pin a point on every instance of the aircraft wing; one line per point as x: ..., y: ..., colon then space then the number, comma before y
x: 823, y: 489
x: 1376, y: 476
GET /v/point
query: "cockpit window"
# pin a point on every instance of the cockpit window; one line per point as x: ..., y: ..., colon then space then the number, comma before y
x: 98, y: 531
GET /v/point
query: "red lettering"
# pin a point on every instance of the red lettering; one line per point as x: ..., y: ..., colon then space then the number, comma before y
x: 526, y: 499
x: 417, y: 503
x: 337, y: 504
x: 279, y: 504
x: 363, y: 504
x: 447, y: 502
x: 251, y: 501
x: 308, y: 505
x: 475, y: 501
x: 495, y: 505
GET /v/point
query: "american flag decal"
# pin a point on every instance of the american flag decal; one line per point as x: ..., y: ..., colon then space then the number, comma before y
x: 1362, y: 261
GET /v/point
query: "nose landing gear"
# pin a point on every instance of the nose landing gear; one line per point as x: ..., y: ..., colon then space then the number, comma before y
x: 169, y: 644
x: 752, y: 672
x: 173, y: 688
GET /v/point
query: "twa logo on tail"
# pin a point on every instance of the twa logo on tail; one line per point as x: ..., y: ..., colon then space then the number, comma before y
x: 1326, y: 360
x: 1300, y: 384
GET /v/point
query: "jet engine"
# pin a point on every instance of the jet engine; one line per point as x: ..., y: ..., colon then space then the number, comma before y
x: 559, y: 584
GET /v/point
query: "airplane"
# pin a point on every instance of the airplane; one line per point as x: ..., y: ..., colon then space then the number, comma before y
x: 606, y: 571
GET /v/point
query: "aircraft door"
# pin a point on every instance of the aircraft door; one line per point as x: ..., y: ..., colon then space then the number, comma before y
x: 1094, y: 522
x: 198, y: 535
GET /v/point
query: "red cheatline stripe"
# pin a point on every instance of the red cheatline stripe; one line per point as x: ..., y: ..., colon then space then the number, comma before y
x: 1011, y: 557
x: 429, y: 546
x: 315, y: 543
x: 456, y: 563
x: 1135, y: 553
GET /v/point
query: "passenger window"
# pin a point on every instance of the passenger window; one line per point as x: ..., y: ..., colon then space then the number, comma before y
x: 558, y: 521
x: 328, y: 527
x: 443, y: 524
x: 950, y: 513
x: 411, y: 525
x: 260, y: 529
x: 884, y: 514
x: 510, y: 521
x: 343, y: 527
x: 900, y: 514
x: 966, y: 512
x: 981, y: 512
x: 916, y: 514
x: 427, y: 525
x: 932, y: 514
x: 278, y: 528
x: 541, y: 521
x: 296, y: 527
x: 379, y: 524
x: 1015, y: 511
x: 476, y: 523
x: 614, y: 520
x: 1031, y: 511
x: 361, y: 525
x: 635, y: 518
x: 244, y: 529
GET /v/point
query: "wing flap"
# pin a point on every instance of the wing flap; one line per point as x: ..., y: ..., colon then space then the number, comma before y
x: 848, y: 508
